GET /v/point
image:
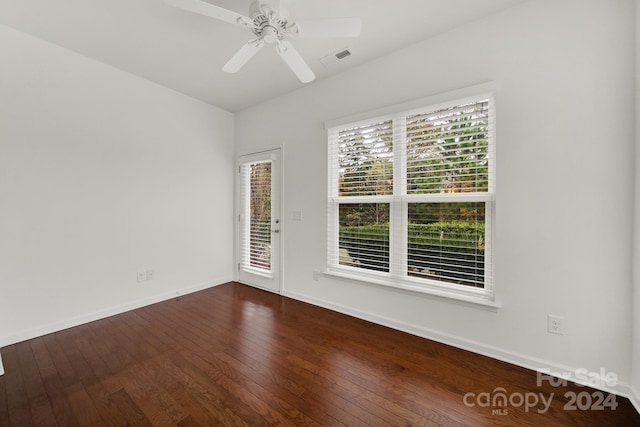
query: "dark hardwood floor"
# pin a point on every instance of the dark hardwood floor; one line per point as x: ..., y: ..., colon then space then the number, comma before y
x: 234, y: 355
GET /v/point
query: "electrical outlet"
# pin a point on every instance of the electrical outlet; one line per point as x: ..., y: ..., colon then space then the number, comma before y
x: 142, y: 276
x: 151, y: 274
x: 316, y: 275
x: 555, y: 325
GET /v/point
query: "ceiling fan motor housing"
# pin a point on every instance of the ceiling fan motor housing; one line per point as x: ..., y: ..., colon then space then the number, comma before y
x: 267, y: 24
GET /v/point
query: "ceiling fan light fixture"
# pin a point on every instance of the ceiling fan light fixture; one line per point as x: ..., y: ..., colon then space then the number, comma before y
x: 270, y: 34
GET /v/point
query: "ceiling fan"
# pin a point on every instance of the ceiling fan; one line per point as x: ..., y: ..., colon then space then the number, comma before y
x: 268, y: 24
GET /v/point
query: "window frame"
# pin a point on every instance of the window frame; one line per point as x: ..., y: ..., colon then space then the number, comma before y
x: 398, y: 277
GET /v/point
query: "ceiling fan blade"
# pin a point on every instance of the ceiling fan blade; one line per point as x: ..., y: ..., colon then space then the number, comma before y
x: 330, y: 28
x: 293, y: 59
x: 243, y: 56
x: 208, y: 9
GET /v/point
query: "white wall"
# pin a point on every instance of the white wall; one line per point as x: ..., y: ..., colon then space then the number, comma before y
x: 103, y: 174
x: 635, y: 355
x: 564, y: 180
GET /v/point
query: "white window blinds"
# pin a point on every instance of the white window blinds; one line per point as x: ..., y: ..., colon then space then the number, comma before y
x: 447, y: 150
x: 411, y: 197
x: 366, y: 160
x: 255, y: 227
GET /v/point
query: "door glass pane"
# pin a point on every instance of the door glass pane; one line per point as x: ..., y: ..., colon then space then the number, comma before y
x: 256, y: 232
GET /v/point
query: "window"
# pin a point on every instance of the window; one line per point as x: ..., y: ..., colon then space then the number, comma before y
x: 411, y: 199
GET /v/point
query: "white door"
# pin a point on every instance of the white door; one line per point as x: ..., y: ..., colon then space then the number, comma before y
x: 259, y: 220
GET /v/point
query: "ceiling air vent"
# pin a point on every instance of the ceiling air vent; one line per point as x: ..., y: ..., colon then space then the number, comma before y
x: 336, y: 56
x: 343, y: 54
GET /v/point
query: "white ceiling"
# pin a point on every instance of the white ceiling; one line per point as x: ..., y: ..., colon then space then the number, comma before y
x: 185, y: 51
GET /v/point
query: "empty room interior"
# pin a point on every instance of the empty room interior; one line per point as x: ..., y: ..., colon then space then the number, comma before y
x: 283, y: 212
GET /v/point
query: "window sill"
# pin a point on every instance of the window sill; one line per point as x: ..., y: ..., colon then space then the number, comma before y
x: 467, y: 298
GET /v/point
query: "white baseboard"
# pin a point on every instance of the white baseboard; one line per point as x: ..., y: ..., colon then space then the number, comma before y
x: 101, y: 314
x: 634, y: 397
x: 620, y: 389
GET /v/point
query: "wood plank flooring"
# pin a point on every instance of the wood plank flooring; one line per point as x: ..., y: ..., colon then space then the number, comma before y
x: 238, y: 356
